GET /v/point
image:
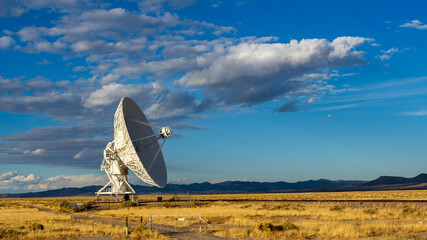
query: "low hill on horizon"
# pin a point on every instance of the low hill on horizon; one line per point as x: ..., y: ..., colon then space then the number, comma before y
x: 389, y: 180
x: 320, y: 185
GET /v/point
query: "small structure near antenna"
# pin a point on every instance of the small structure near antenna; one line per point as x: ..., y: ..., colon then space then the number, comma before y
x: 135, y: 147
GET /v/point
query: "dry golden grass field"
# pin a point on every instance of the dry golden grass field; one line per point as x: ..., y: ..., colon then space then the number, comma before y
x: 342, y: 215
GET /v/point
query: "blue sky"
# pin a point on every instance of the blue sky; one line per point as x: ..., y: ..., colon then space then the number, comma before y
x: 255, y: 90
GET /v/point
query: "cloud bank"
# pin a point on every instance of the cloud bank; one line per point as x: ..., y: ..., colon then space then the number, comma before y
x: 253, y: 73
x: 13, y: 181
x: 175, y: 68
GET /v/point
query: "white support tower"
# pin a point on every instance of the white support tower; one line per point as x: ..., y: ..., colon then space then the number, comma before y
x: 117, y: 173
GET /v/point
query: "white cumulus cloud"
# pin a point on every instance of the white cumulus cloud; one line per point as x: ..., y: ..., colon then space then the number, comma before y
x: 6, y: 42
x: 417, y: 24
x: 251, y: 73
x: 386, y: 54
x: 35, y: 152
x: 113, y: 92
x: 8, y: 175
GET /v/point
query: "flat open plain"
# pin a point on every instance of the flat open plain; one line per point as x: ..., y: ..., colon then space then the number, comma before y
x: 340, y: 215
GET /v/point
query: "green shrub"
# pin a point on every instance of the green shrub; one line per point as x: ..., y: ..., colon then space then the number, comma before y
x: 36, y: 226
x: 65, y: 206
x: 75, y: 207
x: 289, y: 226
x: 269, y: 227
x: 85, y: 207
x: 265, y: 227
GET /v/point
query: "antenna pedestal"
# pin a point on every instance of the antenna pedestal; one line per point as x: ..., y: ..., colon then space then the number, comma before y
x: 117, y: 174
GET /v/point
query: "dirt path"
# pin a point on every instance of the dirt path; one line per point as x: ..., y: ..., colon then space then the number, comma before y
x: 181, y: 233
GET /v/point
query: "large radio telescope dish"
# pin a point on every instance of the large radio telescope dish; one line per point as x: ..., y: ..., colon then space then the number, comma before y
x: 135, y: 147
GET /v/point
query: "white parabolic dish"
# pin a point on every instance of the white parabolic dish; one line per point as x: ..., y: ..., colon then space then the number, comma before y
x: 139, y: 156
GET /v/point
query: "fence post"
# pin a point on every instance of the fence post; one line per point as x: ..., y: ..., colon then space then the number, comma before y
x: 174, y: 218
x: 151, y: 224
x: 93, y: 228
x: 141, y: 219
x: 127, y: 229
x: 200, y: 223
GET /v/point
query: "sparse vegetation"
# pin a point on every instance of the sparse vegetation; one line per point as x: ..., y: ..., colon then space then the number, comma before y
x: 141, y: 232
x: 10, y: 234
x: 30, y: 223
x: 269, y: 227
x: 336, y: 208
x: 128, y: 204
x: 370, y: 211
x: 65, y: 206
x: 280, y: 216
x: 36, y: 226
x: 410, y: 210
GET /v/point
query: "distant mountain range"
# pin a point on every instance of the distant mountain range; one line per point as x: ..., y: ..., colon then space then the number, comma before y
x: 321, y: 185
